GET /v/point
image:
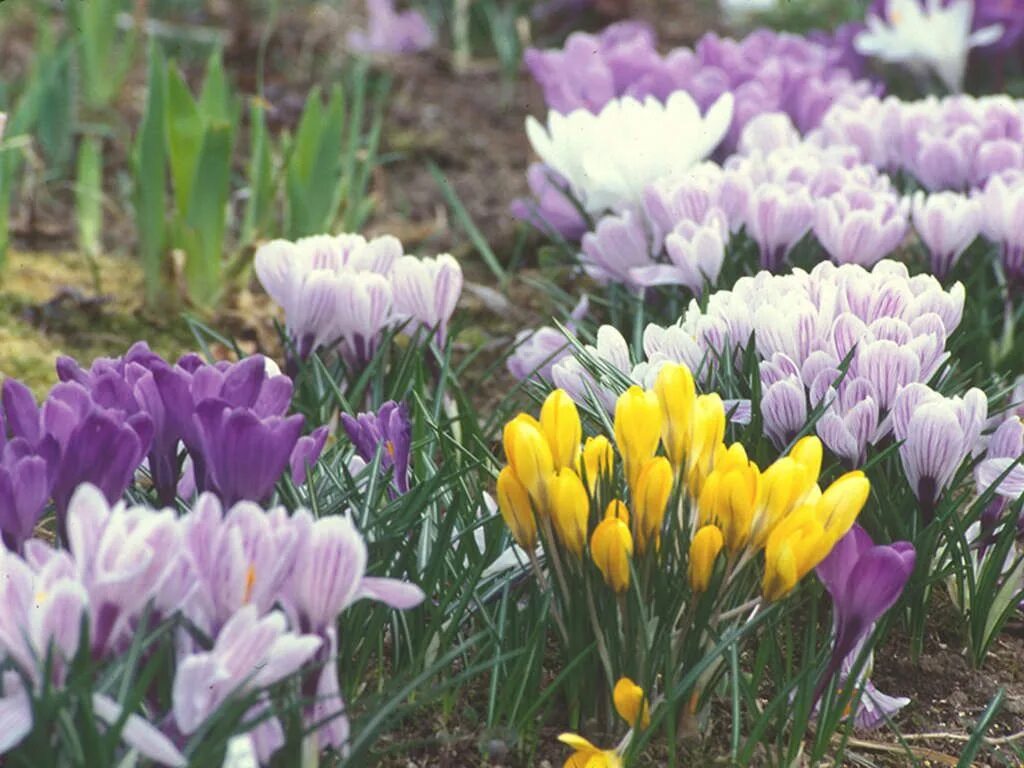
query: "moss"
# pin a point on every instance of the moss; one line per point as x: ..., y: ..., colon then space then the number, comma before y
x: 49, y: 306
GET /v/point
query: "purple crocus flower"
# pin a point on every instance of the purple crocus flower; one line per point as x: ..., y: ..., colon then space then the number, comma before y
x: 390, y: 32
x: 1003, y: 221
x: 860, y: 225
x: 551, y: 208
x: 864, y: 581
x: 427, y: 290
x: 777, y: 218
x: 388, y: 431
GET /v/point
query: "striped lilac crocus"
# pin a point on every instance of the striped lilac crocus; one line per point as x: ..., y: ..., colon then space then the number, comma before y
x: 864, y: 580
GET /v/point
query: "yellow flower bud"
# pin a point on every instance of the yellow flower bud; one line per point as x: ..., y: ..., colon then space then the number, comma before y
x: 704, y: 549
x: 653, y: 488
x: 842, y: 501
x: 779, y: 572
x: 618, y: 510
x: 514, y: 504
x: 561, y: 424
x: 708, y: 431
x: 598, y: 460
x: 586, y: 755
x: 807, y: 452
x: 676, y: 396
x: 637, y: 429
x: 631, y: 704
x: 570, y: 509
x: 529, y: 456
x: 611, y: 547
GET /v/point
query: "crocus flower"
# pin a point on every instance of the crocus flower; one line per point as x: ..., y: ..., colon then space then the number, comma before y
x: 777, y: 218
x: 391, y: 32
x: 938, y: 433
x: 427, y: 290
x: 551, y: 208
x: 387, y: 431
x: 926, y: 35
x: 864, y: 581
x: 618, y: 250
x: 696, y: 251
x: 859, y: 225
x: 608, y: 159
x: 946, y: 223
x: 1003, y: 221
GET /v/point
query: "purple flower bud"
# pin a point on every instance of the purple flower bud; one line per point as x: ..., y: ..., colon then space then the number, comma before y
x: 616, y: 247
x: 551, y: 208
x: 860, y: 226
x: 946, y: 223
x: 696, y: 251
x: 777, y: 218
x: 427, y: 290
x: 388, y: 431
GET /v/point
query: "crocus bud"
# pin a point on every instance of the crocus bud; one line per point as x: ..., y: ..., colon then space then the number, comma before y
x: 611, y: 547
x: 637, y: 429
x: 653, y: 488
x: 529, y: 456
x: 631, y: 704
x: 780, y: 492
x: 561, y: 424
x: 676, y: 395
x: 704, y: 549
x: 708, y: 431
x: 569, y: 509
x: 618, y: 510
x: 842, y: 501
x: 516, y: 510
x: 598, y: 460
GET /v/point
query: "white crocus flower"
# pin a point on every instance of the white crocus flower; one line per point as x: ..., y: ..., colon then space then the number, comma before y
x: 611, y: 157
x: 926, y: 37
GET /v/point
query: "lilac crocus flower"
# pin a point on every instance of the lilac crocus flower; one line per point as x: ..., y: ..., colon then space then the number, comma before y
x: 427, y: 290
x: 391, y: 32
x: 551, y: 208
x: 618, y: 247
x: 777, y: 218
x: 946, y: 223
x: 388, y: 431
x: 330, y: 575
x: 864, y: 581
x: 938, y: 433
x: 696, y: 251
x: 537, y: 351
x: 1003, y: 221
x: 860, y: 225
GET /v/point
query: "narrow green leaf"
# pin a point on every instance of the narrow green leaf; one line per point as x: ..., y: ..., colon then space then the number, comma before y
x: 260, y: 175
x: 89, y: 195
x: 462, y: 216
x: 206, y: 218
x: 151, y: 177
x: 184, y: 138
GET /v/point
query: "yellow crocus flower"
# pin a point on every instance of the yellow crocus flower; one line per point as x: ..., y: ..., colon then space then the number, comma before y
x: 637, y: 429
x: 560, y: 422
x: 598, y: 460
x: 676, y: 395
x: 729, y: 499
x: 529, y: 455
x: 708, y: 431
x: 611, y: 547
x: 842, y: 501
x: 704, y: 549
x: 631, y: 704
x: 653, y: 488
x: 570, y: 509
x: 798, y: 543
x: 586, y: 755
x: 516, y: 510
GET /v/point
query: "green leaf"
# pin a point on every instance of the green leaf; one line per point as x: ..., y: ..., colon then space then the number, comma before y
x: 261, y: 180
x: 184, y: 138
x: 89, y: 195
x: 216, y: 103
x: 151, y: 177
x: 205, y: 222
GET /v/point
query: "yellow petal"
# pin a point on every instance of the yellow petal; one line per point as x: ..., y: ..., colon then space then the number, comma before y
x: 516, y: 510
x: 560, y: 422
x: 630, y: 703
x: 653, y: 489
x: 529, y: 455
x: 598, y: 460
x: 570, y: 509
x: 611, y: 547
x: 676, y: 395
x: 617, y: 509
x: 637, y: 429
x: 842, y: 501
x: 704, y: 549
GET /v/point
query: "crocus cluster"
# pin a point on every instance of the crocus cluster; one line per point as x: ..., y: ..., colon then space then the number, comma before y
x: 78, y: 435
x: 619, y: 75
x: 230, y: 418
x: 263, y: 588
x: 885, y: 329
x: 345, y: 292
x: 954, y: 143
x: 390, y: 32
x: 387, y: 433
x: 663, y: 499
